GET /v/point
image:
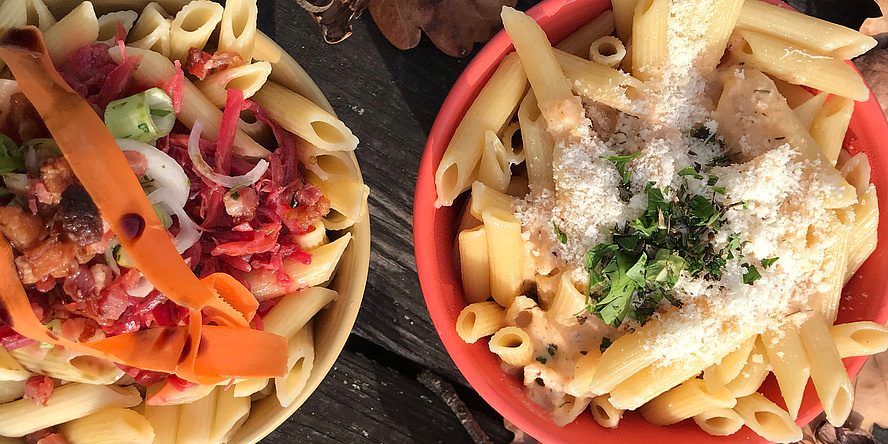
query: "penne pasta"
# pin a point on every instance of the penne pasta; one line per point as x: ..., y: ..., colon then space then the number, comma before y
x: 789, y: 364
x: 237, y: 30
x: 319, y: 271
x: 152, y: 30
x: 230, y: 414
x: 474, y: 264
x: 301, y: 360
x: 109, y: 426
x: 804, y: 31
x: 491, y: 110
x: 580, y: 41
x: 108, y: 25
x: 247, y: 78
x: 827, y: 372
x: 513, y: 346
x: 649, y: 37
x: 480, y: 319
x: 505, y: 252
x: 861, y: 338
x: 80, y: 27
x: 605, y: 414
x: 690, y: 398
x: 192, y: 27
x: 65, y: 403
x: 767, y: 419
x: 719, y: 422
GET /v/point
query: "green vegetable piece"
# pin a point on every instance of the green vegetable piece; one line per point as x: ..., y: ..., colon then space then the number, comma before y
x: 620, y: 162
x: 690, y: 171
x: 11, y: 156
x: 145, y: 117
x: 559, y: 234
x: 751, y: 275
x: 769, y: 261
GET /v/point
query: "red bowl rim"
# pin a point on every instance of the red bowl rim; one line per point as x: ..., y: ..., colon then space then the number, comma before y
x: 441, y: 287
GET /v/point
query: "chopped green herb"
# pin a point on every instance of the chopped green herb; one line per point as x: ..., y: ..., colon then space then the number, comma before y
x: 751, y: 275
x: 620, y: 162
x: 769, y: 261
x: 634, y: 272
x: 702, y: 132
x: 722, y: 159
x: 541, y: 359
x: 745, y: 204
x: 552, y: 348
x: 559, y: 234
x: 719, y: 190
x: 605, y: 343
x: 690, y: 171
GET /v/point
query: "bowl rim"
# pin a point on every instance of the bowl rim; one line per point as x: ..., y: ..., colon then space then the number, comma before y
x: 436, y: 267
x: 333, y: 324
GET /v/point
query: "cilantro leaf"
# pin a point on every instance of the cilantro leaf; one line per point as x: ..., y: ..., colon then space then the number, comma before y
x: 769, y: 261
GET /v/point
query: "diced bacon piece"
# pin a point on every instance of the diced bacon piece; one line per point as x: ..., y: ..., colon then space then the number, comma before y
x: 57, y: 176
x: 200, y: 63
x: 48, y: 258
x: 38, y: 388
x: 22, y: 229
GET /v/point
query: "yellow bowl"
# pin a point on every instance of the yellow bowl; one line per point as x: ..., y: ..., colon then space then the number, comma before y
x: 332, y: 325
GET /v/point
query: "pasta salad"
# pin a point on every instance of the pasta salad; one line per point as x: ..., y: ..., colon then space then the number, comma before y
x: 171, y: 215
x: 661, y: 224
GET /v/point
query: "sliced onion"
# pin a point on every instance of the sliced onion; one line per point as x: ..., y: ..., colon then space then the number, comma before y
x: 204, y: 169
x: 188, y: 232
x: 111, y: 261
x: 143, y: 288
x: 166, y: 173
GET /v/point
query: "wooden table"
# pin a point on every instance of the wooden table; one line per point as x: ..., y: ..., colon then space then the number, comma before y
x: 389, y: 98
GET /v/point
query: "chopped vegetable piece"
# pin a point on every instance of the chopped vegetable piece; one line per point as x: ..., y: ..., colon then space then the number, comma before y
x: 146, y: 116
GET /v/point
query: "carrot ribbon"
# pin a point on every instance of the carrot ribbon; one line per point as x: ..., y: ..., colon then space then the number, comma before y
x: 199, y: 353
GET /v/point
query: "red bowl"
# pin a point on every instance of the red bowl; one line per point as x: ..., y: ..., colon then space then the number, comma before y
x: 434, y: 229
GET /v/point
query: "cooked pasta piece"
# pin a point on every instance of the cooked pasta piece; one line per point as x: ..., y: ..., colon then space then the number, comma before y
x: 605, y: 414
x: 807, y: 111
x: 608, y: 51
x: 719, y: 422
x: 789, y: 364
x: 505, y: 252
x: 513, y: 346
x: 491, y: 110
x: 803, y: 30
x: 230, y: 414
x: 80, y: 27
x: 319, y: 271
x: 474, y: 265
x: 830, y: 125
x: 601, y: 83
x: 39, y: 15
x: 753, y: 374
x: 192, y: 27
x: 767, y: 419
x: 833, y: 386
x: 557, y: 104
x: 479, y: 320
x: 690, y: 398
x: 11, y: 390
x: 63, y: 364
x: 247, y: 78
x: 861, y: 338
x: 795, y: 65
x: 10, y: 368
x: 348, y: 198
x: 65, y: 403
x: 237, y: 30
x: 538, y: 146
x: 152, y: 30
x: 196, y: 420
x: 494, y: 169
x: 579, y: 42
x: 108, y: 25
x: 649, y: 37
x: 300, y: 361
x: 718, y: 375
x: 109, y: 426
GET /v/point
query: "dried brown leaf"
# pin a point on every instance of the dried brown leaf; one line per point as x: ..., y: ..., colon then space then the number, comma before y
x: 871, y: 392
x: 452, y: 25
x: 876, y: 25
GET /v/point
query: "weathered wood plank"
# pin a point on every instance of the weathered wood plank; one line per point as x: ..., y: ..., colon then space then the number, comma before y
x: 361, y: 401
